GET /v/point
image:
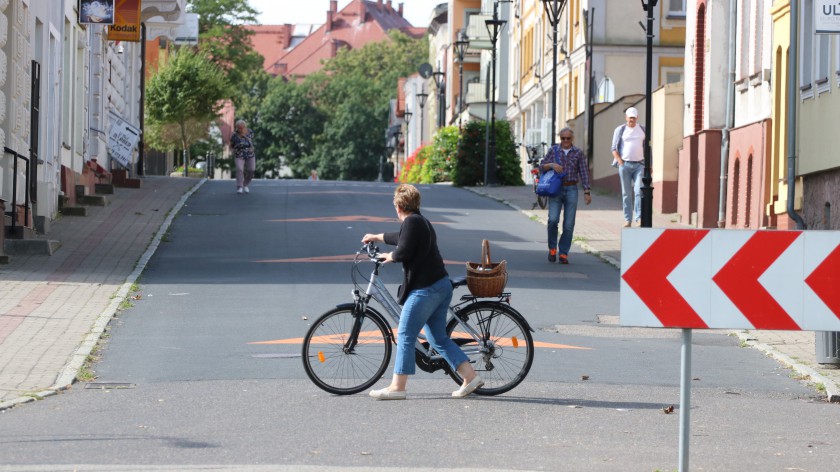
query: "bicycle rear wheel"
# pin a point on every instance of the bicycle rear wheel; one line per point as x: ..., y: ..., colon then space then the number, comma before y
x: 342, y: 366
x: 505, y: 359
x: 542, y: 201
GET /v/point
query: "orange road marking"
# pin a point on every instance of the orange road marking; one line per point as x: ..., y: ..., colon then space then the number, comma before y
x: 340, y: 258
x: 348, y: 218
x: 373, y: 337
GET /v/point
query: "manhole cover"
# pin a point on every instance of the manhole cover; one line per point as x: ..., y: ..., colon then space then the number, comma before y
x: 110, y: 385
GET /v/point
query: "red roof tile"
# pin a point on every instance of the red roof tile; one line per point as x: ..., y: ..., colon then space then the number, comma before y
x: 359, y: 23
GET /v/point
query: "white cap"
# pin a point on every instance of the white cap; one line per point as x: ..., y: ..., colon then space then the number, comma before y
x: 632, y: 113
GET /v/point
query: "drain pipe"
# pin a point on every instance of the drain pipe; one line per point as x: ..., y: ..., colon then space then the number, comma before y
x: 793, y: 94
x: 730, y: 114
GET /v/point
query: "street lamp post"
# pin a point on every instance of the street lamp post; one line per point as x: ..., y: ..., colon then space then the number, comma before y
x: 647, y: 190
x: 397, y: 135
x: 408, y: 116
x: 553, y: 8
x: 389, y: 152
x: 460, y: 47
x: 421, y: 100
x: 494, y: 27
x: 440, y: 83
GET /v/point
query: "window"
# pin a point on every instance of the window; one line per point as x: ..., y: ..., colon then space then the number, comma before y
x: 673, y: 77
x: 759, y: 37
x: 745, y: 39
x: 676, y: 7
x: 822, y: 59
x: 806, y: 42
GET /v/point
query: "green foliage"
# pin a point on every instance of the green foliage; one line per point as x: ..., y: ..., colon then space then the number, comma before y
x: 509, y: 168
x: 286, y: 125
x: 226, y: 42
x: 469, y: 169
x: 442, y: 155
x: 352, y: 96
x: 182, y: 99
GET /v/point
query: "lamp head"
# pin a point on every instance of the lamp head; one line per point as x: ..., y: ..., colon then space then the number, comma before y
x: 421, y: 98
x: 553, y: 8
x: 647, y: 4
x: 494, y: 27
x: 440, y: 79
x: 461, y: 46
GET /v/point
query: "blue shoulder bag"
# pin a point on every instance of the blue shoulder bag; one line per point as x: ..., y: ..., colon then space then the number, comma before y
x: 550, y: 182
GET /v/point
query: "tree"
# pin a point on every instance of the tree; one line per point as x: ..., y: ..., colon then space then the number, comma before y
x: 351, y: 143
x: 182, y: 99
x: 287, y: 125
x: 353, y: 91
x: 224, y: 39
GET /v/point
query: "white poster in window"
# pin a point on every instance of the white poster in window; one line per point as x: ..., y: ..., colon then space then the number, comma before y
x: 827, y: 17
x: 122, y: 137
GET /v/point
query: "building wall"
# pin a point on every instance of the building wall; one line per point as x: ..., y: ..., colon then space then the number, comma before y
x: 46, y: 25
x: 776, y: 198
x: 821, y: 202
x: 749, y: 153
x: 666, y: 139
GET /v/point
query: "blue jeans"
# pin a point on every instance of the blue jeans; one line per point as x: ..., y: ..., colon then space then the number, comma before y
x: 631, y: 177
x: 426, y: 308
x: 566, y: 200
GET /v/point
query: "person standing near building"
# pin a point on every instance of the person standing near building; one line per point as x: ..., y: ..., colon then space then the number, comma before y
x: 570, y: 158
x: 242, y: 143
x: 629, y: 156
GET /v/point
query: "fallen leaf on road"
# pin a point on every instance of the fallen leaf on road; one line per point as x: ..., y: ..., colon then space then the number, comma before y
x: 668, y: 409
x: 584, y: 377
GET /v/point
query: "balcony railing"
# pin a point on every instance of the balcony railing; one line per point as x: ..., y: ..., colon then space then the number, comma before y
x: 477, y: 32
x: 476, y: 93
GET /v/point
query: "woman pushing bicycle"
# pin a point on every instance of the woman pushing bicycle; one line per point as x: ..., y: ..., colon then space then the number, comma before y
x: 425, y: 295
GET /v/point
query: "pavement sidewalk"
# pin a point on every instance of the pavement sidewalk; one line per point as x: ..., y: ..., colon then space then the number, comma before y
x: 598, y: 229
x: 53, y: 309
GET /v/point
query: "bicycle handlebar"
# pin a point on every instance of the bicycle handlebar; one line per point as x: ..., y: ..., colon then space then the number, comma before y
x: 371, y: 251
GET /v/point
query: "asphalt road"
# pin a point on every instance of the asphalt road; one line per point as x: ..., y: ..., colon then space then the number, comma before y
x: 203, y: 372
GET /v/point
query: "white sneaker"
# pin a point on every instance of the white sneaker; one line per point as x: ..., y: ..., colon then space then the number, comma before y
x: 239, y: 190
x: 468, y: 388
x: 247, y: 190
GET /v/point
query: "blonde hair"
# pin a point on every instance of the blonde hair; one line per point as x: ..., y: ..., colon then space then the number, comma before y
x: 407, y: 198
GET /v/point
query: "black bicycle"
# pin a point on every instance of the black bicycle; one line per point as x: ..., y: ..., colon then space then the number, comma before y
x: 348, y: 348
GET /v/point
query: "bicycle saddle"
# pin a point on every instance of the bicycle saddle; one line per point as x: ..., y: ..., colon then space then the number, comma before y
x: 459, y: 281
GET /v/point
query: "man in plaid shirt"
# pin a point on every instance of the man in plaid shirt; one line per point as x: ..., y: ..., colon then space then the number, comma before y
x: 574, y: 161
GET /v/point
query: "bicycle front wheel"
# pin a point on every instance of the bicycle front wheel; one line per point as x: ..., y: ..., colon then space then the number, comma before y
x: 344, y: 353
x: 506, y: 352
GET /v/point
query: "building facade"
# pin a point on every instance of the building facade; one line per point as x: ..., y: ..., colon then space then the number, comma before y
x: 819, y: 112
x: 62, y: 86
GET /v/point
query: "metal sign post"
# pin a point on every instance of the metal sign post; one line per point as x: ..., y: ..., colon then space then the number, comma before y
x: 685, y: 399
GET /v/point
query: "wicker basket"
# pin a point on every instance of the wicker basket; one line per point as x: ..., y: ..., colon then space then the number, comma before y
x: 486, y: 279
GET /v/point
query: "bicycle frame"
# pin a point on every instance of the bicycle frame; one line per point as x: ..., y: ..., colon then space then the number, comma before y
x: 376, y: 290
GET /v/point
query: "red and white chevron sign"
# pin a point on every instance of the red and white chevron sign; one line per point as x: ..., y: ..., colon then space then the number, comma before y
x: 781, y: 280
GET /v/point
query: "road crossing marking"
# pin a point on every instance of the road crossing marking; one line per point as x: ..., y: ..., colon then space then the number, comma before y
x: 374, y: 337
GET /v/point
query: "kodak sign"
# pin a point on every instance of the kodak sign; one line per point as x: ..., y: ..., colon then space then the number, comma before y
x: 126, y: 25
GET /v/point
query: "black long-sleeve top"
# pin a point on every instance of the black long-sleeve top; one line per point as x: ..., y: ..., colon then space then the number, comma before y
x: 417, y: 249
